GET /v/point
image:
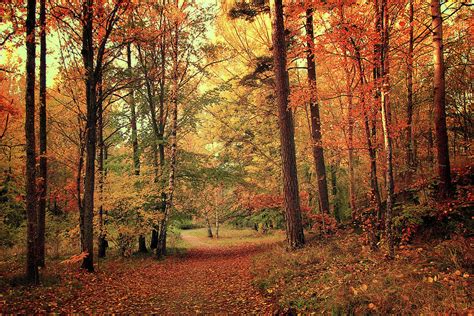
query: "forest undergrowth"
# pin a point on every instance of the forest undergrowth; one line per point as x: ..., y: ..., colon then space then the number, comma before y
x: 431, y: 273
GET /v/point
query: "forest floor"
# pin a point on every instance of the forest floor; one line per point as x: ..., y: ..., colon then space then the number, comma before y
x: 340, y: 275
x: 244, y: 272
x: 211, y: 276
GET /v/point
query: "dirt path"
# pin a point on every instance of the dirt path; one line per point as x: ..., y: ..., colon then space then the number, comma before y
x: 204, y: 280
x: 194, y: 241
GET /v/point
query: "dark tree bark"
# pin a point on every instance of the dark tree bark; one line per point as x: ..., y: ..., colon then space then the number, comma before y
x: 93, y: 75
x: 31, y: 198
x: 162, y: 123
x: 444, y: 171
x: 91, y: 137
x: 430, y: 141
x: 80, y: 167
x: 370, y: 126
x: 374, y: 187
x: 158, y: 120
x: 102, y: 242
x: 142, y: 244
x: 348, y: 67
x: 316, y: 136
x: 43, y: 164
x: 154, y: 239
x: 350, y: 144
x: 336, y: 210
x: 294, y: 228
x: 217, y: 223
x: 410, y: 159
x: 209, y: 227
x: 133, y: 124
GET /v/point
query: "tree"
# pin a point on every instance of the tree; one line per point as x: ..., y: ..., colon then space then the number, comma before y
x: 102, y: 242
x: 31, y: 197
x: 43, y: 167
x: 161, y: 246
x: 152, y: 53
x: 316, y: 137
x: 294, y: 228
x: 410, y: 158
x: 93, y: 66
x: 386, y: 123
x: 439, y: 102
x: 133, y: 124
x: 88, y: 204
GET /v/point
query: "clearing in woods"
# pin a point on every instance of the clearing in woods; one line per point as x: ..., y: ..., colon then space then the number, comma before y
x: 211, y: 276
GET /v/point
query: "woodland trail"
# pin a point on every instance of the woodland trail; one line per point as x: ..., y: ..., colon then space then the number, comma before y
x: 194, y: 241
x: 206, y: 280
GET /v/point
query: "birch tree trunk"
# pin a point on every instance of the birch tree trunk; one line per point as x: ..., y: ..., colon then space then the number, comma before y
x: 386, y: 124
x: 161, y: 247
x: 133, y: 116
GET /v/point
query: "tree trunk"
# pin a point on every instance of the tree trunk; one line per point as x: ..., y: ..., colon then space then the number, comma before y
x: 444, y: 171
x: 209, y: 227
x: 103, y: 244
x: 161, y: 247
x: 31, y: 211
x: 336, y: 210
x: 217, y: 224
x: 386, y: 124
x: 410, y: 161
x: 133, y: 123
x: 430, y: 141
x: 154, y: 239
x: 159, y: 146
x: 142, y: 244
x: 294, y: 228
x: 133, y: 116
x: 371, y: 127
x: 80, y: 166
x: 374, y: 187
x: 162, y: 115
x: 43, y: 165
x: 152, y: 107
x: 88, y: 205
x: 316, y: 137
x: 350, y: 117
x: 350, y: 145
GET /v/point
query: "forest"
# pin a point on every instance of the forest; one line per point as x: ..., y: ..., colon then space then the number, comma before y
x: 270, y: 157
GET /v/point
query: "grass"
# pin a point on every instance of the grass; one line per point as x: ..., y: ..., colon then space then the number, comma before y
x: 228, y: 236
x: 342, y: 276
